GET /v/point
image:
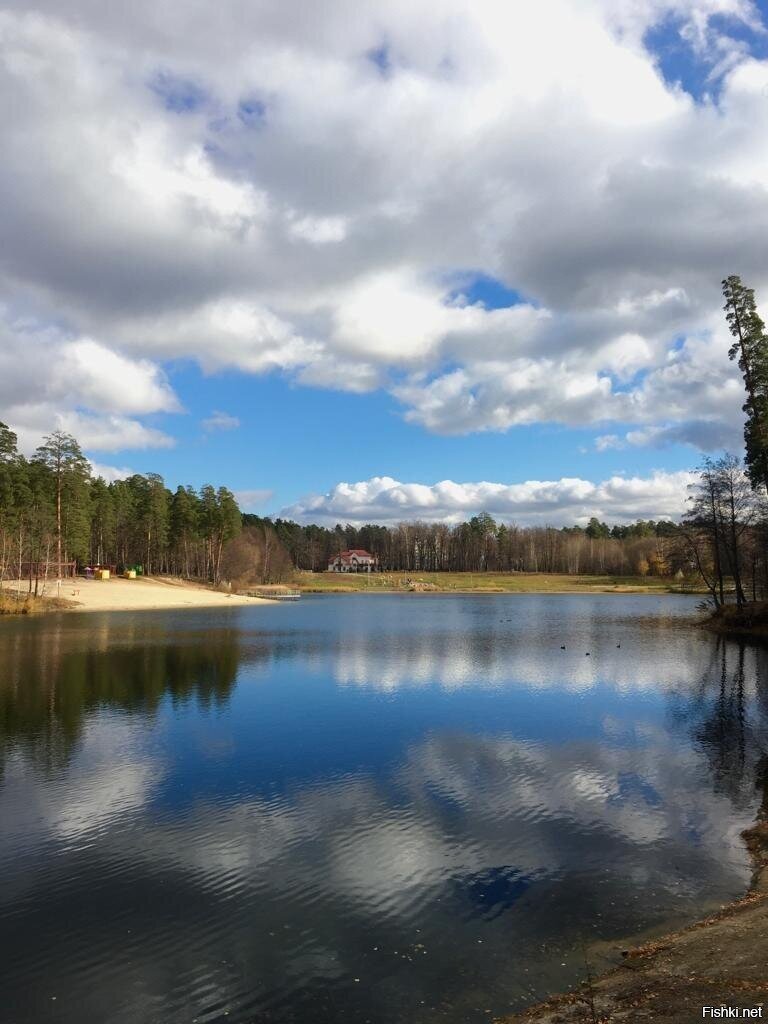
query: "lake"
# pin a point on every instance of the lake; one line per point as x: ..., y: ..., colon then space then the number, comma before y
x: 361, y: 808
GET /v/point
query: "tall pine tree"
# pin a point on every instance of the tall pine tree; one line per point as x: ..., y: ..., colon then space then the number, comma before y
x: 750, y: 348
x: 62, y: 456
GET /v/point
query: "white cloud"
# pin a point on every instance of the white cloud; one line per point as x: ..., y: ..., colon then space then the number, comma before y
x: 605, y: 442
x: 250, y: 500
x: 552, y: 502
x: 110, y: 473
x: 306, y: 214
x: 222, y: 334
x: 111, y: 433
x: 51, y: 380
x: 219, y: 420
x: 106, y: 381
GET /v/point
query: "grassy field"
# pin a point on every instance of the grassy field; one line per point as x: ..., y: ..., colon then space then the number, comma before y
x: 483, y: 583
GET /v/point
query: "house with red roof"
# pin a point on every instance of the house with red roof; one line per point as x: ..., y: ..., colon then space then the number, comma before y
x: 354, y: 560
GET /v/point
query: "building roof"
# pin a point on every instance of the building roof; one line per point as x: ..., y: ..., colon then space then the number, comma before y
x: 346, y: 555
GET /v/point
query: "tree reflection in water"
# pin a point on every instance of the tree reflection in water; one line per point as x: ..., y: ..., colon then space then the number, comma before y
x: 727, y: 716
x: 49, y: 688
x: 419, y: 795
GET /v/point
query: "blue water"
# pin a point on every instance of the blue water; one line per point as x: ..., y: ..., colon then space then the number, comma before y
x: 374, y: 808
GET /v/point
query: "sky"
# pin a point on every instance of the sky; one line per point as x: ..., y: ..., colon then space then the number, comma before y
x: 366, y: 261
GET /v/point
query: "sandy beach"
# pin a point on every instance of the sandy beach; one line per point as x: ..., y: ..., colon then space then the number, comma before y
x: 137, y: 595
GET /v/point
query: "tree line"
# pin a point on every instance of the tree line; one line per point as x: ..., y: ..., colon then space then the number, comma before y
x: 55, y: 514
x: 726, y: 529
x: 722, y: 539
x: 483, y: 545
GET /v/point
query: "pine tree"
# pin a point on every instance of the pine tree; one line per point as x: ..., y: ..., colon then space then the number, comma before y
x: 183, y: 530
x: 153, y: 517
x: 751, y: 349
x: 63, y: 457
x: 8, y: 460
x: 229, y: 523
x: 40, y: 516
x: 8, y: 442
x: 209, y: 518
x: 103, y: 521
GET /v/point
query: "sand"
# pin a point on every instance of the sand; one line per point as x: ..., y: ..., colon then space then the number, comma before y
x: 117, y: 595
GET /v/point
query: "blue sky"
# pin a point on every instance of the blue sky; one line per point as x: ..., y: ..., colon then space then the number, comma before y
x: 683, y: 63
x: 293, y: 440
x: 397, y: 265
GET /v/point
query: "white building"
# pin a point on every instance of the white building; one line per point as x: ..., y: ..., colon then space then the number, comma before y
x: 355, y: 560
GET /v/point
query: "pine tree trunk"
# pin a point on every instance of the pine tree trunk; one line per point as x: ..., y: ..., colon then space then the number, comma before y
x: 58, y: 524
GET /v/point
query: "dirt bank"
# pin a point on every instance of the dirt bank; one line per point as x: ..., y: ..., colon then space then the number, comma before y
x: 721, y: 960
x: 749, y: 622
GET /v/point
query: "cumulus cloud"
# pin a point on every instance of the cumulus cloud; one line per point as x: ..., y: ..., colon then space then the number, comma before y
x: 254, y: 192
x: 554, y: 502
x: 52, y: 380
x: 110, y: 473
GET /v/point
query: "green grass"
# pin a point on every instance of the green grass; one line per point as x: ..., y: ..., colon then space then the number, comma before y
x: 482, y: 582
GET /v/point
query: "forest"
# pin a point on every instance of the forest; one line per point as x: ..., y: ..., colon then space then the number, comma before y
x: 55, y: 512
x: 56, y: 517
x: 483, y: 545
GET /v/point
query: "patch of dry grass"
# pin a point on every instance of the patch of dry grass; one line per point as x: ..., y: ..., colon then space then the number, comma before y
x: 478, y: 583
x: 19, y: 604
x: 751, y: 620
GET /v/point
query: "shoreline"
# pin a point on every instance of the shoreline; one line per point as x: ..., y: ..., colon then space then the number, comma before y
x: 485, y: 583
x: 747, y: 623
x: 488, y: 592
x: 121, y: 595
x: 155, y: 593
x: 718, y: 960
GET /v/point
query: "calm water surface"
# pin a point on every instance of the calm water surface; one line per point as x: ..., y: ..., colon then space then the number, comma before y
x: 380, y: 809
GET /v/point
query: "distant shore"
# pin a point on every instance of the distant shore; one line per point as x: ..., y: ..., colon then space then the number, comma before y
x: 484, y: 583
x: 155, y: 593
x: 117, y: 595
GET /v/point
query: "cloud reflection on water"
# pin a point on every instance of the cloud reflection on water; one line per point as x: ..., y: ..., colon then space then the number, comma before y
x: 162, y: 858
